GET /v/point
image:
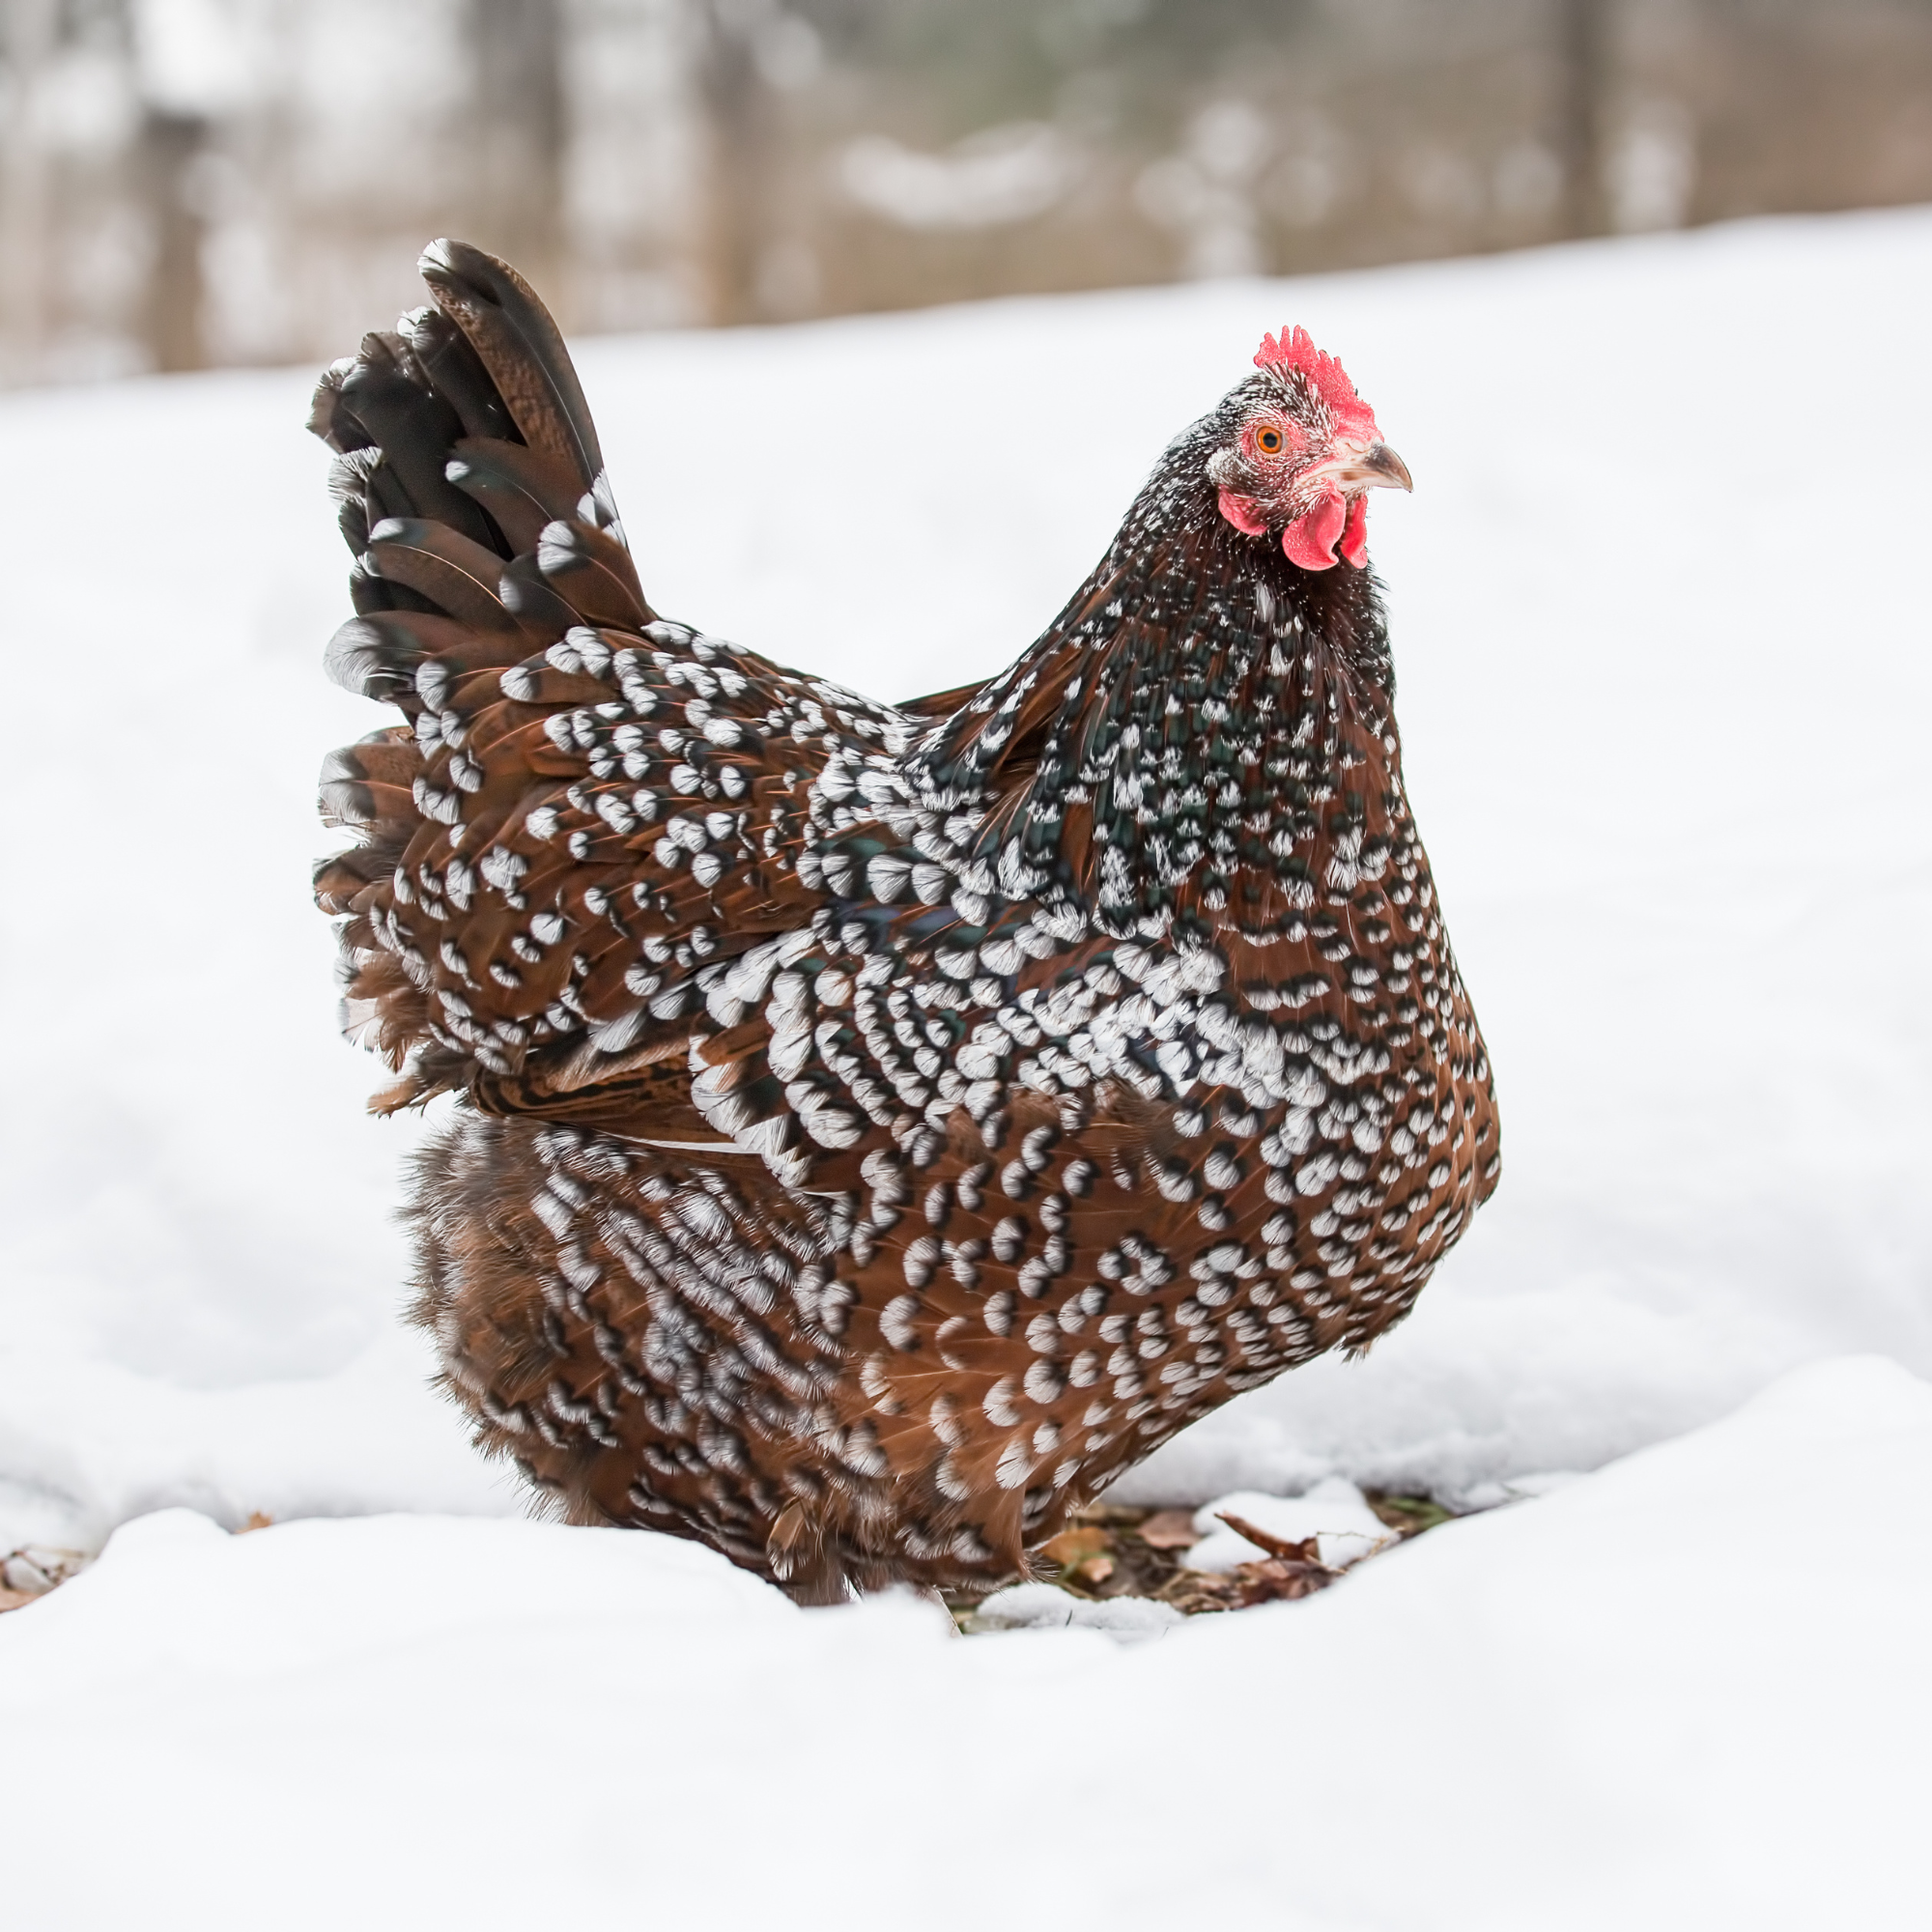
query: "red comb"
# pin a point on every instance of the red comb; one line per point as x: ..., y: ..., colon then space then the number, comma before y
x: 1294, y: 350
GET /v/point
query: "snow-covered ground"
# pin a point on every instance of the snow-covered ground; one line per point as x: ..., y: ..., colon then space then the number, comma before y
x: 1660, y: 604
x: 1691, y: 1692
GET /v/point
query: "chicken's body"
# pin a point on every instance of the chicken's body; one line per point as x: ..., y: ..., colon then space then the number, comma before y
x: 874, y: 1133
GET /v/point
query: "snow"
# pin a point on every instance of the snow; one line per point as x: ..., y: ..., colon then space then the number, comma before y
x: 1047, y: 1606
x: 1687, y: 1691
x: 1658, y: 606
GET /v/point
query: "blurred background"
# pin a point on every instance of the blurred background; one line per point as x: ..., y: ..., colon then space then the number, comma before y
x: 189, y: 184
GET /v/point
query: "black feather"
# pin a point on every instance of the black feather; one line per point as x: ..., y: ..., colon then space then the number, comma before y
x: 455, y: 574
x: 519, y: 346
x: 415, y: 428
x: 458, y: 375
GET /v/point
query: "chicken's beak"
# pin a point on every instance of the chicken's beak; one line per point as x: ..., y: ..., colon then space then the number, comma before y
x: 1376, y: 468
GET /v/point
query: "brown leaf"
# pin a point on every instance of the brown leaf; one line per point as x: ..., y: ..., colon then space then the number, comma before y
x: 1195, y: 1592
x: 13, y: 1600
x: 1168, y: 1530
x: 1095, y: 1570
x: 256, y: 1520
x: 1307, y: 1551
x: 1076, y: 1546
x: 1277, y: 1580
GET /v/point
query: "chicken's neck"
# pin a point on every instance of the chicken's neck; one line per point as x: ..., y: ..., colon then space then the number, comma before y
x: 1170, y: 752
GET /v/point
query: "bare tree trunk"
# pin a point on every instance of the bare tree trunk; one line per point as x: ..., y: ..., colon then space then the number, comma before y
x: 28, y: 28
x: 516, y: 46
x: 172, y: 322
x: 740, y: 134
x: 1586, y: 62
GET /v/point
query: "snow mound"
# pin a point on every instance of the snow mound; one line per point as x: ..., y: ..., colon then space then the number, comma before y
x: 1687, y: 1692
x: 1041, y: 1607
x: 1665, y: 699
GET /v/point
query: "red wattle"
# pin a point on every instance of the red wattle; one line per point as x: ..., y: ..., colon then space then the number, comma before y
x: 1310, y: 540
x: 1355, y: 537
x: 1242, y: 514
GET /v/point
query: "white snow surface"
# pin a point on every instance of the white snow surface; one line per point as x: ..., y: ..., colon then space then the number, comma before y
x: 1048, y: 1606
x: 1687, y: 1692
x: 1660, y: 606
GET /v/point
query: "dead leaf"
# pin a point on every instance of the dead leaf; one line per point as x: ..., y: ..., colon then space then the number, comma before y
x: 256, y: 1520
x: 1075, y: 1546
x: 1168, y: 1530
x: 1277, y: 1580
x: 1273, y: 1579
x: 14, y: 1600
x: 1307, y: 1551
x: 1095, y: 1570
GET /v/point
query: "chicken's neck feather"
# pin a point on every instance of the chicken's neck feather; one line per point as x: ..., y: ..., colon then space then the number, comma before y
x: 1154, y: 751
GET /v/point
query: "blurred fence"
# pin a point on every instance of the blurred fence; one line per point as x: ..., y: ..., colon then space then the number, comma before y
x: 185, y: 183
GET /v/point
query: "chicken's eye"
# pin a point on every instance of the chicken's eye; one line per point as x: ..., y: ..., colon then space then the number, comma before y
x: 1268, y: 441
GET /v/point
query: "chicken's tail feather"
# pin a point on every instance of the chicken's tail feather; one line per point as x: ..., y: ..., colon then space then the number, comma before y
x: 514, y: 338
x: 590, y: 811
x: 470, y: 486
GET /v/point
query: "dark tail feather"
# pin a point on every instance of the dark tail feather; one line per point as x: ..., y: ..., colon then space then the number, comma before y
x: 470, y: 490
x: 522, y: 489
x: 458, y: 372
x: 519, y: 346
x: 389, y: 398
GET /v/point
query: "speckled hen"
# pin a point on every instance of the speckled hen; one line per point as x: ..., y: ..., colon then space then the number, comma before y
x: 877, y: 1125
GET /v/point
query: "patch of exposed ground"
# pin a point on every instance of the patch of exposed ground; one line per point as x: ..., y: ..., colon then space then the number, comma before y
x: 1113, y: 1551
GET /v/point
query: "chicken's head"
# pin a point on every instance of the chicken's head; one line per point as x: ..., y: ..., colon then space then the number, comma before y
x: 1300, y: 454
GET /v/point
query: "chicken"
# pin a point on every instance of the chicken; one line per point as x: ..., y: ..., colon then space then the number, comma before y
x: 875, y: 1127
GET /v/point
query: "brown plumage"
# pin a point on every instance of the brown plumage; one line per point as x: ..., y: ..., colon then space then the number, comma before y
x: 877, y: 1125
